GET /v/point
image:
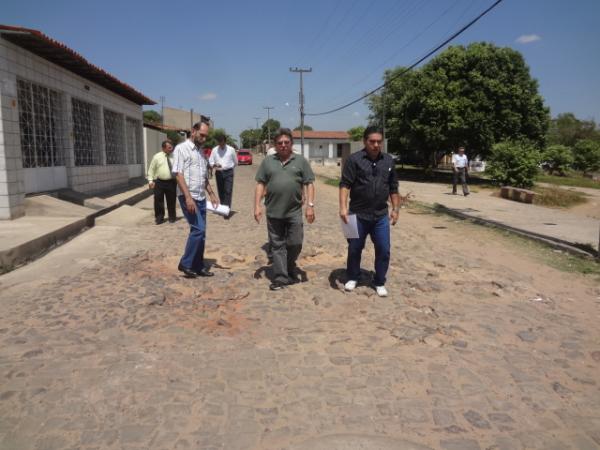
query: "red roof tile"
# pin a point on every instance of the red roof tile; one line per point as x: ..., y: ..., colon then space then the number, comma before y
x: 61, y: 55
x: 342, y: 135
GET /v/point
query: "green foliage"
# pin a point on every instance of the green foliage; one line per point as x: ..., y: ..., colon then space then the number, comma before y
x: 474, y: 96
x: 356, y: 133
x: 213, y: 133
x: 306, y: 128
x: 572, y: 179
x: 175, y: 137
x: 514, y: 163
x: 557, y: 159
x: 152, y: 116
x: 251, y: 137
x: 270, y: 127
x: 566, y: 129
x: 587, y: 155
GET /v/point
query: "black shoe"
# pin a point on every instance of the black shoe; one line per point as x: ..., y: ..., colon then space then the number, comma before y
x: 293, y: 279
x: 172, y: 220
x: 205, y: 273
x: 276, y: 286
x: 159, y: 221
x: 467, y: 194
x: 189, y: 273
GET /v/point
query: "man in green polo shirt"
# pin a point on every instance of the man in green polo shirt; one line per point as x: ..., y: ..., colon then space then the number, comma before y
x: 284, y: 177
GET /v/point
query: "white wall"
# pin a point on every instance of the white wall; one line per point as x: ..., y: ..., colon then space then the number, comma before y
x: 152, y: 145
x: 15, y: 63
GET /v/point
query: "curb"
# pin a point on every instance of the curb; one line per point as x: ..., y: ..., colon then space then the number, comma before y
x: 29, y: 251
x: 560, y: 244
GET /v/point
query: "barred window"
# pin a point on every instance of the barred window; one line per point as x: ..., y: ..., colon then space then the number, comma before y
x: 40, y: 125
x: 85, y: 133
x: 114, y: 137
x: 135, y: 149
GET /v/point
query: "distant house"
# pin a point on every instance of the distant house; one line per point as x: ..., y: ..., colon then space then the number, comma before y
x: 64, y: 122
x: 322, y: 145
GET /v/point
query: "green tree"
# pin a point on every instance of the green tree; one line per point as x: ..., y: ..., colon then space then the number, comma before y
x: 270, y: 127
x: 356, y: 133
x: 175, y: 137
x: 152, y: 116
x: 306, y: 128
x: 587, y: 156
x: 212, y: 139
x: 473, y: 96
x: 251, y: 137
x: 514, y: 163
x: 557, y: 159
x: 566, y: 129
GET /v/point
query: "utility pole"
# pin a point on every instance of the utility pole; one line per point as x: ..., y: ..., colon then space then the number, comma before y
x: 257, y: 127
x: 268, y: 108
x: 383, y: 120
x: 301, y: 71
x: 162, y: 109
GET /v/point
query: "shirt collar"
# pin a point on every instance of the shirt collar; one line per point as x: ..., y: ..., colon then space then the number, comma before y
x: 366, y: 155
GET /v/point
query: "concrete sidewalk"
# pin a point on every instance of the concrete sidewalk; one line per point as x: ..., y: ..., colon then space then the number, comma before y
x: 553, y: 224
x: 49, y: 221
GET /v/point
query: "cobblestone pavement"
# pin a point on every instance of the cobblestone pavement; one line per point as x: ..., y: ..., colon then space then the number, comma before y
x: 103, y: 345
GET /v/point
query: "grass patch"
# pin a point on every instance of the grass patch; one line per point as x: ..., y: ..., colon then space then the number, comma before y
x: 557, y: 197
x: 333, y: 181
x: 570, y: 180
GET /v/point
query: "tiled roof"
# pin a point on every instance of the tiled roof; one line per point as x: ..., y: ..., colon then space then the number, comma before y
x: 61, y: 55
x: 161, y: 127
x: 342, y: 135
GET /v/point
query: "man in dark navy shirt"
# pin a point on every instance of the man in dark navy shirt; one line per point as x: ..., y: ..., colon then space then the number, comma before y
x: 369, y: 176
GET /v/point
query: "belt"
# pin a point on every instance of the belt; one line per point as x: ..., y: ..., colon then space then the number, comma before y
x: 168, y: 179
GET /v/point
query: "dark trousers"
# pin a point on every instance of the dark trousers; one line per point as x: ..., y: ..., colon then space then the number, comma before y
x: 165, y: 189
x: 379, y: 230
x: 285, y: 239
x: 460, y: 173
x: 225, y: 186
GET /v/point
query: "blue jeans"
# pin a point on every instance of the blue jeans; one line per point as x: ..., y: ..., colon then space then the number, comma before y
x: 193, y: 257
x: 379, y: 230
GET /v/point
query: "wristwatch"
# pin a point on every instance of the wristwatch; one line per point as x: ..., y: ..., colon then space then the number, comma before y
x: 312, y: 205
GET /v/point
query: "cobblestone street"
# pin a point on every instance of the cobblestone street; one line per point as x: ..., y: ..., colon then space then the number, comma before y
x: 104, y: 345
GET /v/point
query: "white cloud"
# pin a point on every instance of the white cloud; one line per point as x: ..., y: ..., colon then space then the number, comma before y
x: 356, y: 114
x: 208, y: 96
x: 287, y: 103
x: 528, y: 38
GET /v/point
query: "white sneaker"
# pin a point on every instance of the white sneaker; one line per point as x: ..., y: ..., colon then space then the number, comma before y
x: 381, y: 291
x: 350, y: 285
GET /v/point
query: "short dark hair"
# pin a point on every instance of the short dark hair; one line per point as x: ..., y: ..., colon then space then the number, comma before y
x: 203, y: 120
x: 371, y: 130
x: 220, y: 137
x: 164, y: 143
x: 283, y: 132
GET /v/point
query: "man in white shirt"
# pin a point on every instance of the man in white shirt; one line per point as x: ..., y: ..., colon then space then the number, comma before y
x: 190, y: 168
x: 223, y: 160
x: 460, y: 167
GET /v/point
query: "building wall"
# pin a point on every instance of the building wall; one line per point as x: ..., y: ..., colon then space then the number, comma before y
x: 17, y: 63
x: 179, y: 118
x: 319, y: 148
x: 152, y: 145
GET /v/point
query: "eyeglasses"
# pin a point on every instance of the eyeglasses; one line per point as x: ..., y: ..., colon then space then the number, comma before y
x: 283, y: 142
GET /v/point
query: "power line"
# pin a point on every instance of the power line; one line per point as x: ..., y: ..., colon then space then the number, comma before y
x: 412, y: 66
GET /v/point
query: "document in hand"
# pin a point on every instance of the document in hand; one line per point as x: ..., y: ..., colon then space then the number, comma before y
x: 222, y: 210
x: 350, y: 229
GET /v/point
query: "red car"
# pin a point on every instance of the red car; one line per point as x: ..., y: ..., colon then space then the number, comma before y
x: 244, y: 157
x: 207, y: 151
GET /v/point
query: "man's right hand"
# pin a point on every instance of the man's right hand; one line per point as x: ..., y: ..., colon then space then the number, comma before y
x: 257, y: 214
x: 344, y: 215
x: 190, y: 204
x: 151, y: 185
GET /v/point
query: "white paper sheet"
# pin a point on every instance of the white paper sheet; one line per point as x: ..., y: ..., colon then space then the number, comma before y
x: 222, y: 210
x: 350, y: 229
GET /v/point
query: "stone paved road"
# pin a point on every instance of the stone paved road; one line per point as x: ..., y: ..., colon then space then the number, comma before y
x: 103, y: 345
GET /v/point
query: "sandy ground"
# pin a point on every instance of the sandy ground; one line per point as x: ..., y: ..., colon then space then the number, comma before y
x: 479, y: 346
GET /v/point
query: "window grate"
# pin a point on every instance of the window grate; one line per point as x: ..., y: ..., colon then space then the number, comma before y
x: 40, y: 125
x: 85, y: 133
x: 114, y: 137
x: 135, y: 150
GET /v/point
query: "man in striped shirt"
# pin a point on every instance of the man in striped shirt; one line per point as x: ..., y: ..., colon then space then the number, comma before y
x: 191, y: 172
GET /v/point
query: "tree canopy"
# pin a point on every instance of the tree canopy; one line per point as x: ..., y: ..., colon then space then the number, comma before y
x: 356, y: 133
x: 473, y: 96
x: 251, y: 137
x: 152, y: 116
x: 566, y: 129
x: 306, y: 128
x: 272, y: 125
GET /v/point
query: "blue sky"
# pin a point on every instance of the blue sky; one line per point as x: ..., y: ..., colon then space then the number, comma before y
x: 229, y: 59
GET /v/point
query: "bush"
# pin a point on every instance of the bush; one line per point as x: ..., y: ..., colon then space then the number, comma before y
x: 557, y: 158
x: 587, y: 155
x: 514, y: 163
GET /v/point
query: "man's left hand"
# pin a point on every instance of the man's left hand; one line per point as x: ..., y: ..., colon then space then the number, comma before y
x: 310, y: 214
x: 214, y: 200
x: 394, y: 216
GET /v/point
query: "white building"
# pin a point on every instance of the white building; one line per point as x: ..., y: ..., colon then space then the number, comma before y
x: 322, y: 145
x: 64, y: 123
